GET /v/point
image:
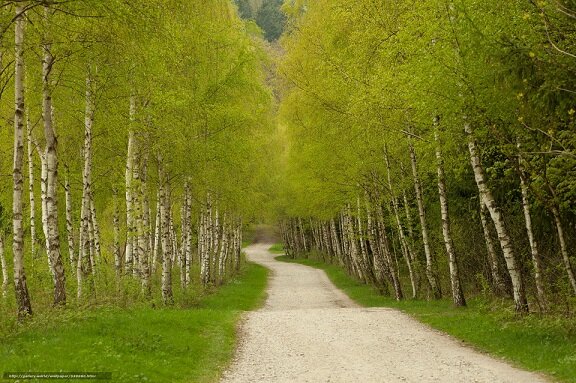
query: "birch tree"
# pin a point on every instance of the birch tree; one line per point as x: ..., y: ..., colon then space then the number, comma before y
x: 20, y: 285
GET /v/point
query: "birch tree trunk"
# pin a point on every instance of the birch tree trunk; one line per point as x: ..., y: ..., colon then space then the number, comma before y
x: 564, y: 248
x: 431, y: 269
x: 96, y: 228
x: 82, y: 255
x: 203, y: 246
x: 344, y: 241
x: 173, y: 239
x: 303, y: 234
x: 327, y: 240
x: 215, y: 253
x: 91, y: 247
x: 336, y: 241
x: 129, y: 252
x: 157, y: 234
x: 457, y: 293
x: 378, y: 261
x: 150, y: 231
x: 505, y: 242
x: 144, y: 231
x: 20, y: 286
x: 4, y: 267
x: 33, y: 239
x: 223, y: 249
x: 402, y: 237
x: 44, y: 201
x: 497, y: 281
x: 53, y: 239
x: 188, y: 233
x: 363, y: 251
x: 409, y: 223
x: 69, y: 223
x: 138, y: 226
x: 354, y: 255
x: 85, y: 262
x: 535, y: 253
x: 116, y: 224
x: 182, y: 253
x: 167, y: 295
x: 385, y: 245
x: 208, y: 238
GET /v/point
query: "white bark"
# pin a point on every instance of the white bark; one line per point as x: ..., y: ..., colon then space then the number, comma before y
x: 344, y: 241
x: 378, y: 261
x: 167, y: 295
x: 353, y: 246
x: 173, y: 239
x: 188, y: 231
x: 144, y: 232
x: 385, y: 246
x: 53, y: 240
x: 69, y: 224
x: 204, y: 265
x: 409, y: 223
x: 336, y: 242
x: 85, y: 260
x: 431, y: 272
x: 129, y: 252
x: 223, y: 251
x: 33, y: 239
x: 20, y: 286
x: 327, y: 241
x: 157, y: 234
x: 303, y: 234
x: 403, y: 241
x: 496, y: 214
x: 208, y: 238
x: 497, y: 281
x: 96, y: 228
x: 363, y: 251
x: 457, y: 293
x: 116, y: 246
x: 215, y: 234
x: 564, y: 248
x: 91, y: 247
x: 535, y: 253
x: 137, y: 213
x: 44, y: 201
x: 182, y: 253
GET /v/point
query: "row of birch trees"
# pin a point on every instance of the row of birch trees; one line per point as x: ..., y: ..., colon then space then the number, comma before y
x: 431, y: 146
x: 130, y: 152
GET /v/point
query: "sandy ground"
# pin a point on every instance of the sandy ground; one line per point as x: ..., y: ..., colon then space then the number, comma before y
x: 309, y: 331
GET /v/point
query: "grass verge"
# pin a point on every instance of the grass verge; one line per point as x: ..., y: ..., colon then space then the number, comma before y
x: 277, y: 248
x: 542, y: 344
x: 142, y: 343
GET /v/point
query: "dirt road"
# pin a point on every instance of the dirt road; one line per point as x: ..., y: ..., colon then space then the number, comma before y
x: 309, y: 331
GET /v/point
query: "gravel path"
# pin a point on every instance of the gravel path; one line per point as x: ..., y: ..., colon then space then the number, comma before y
x: 309, y: 331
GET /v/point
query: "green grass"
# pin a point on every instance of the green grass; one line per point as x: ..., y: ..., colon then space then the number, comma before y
x: 142, y: 343
x: 277, y: 248
x: 543, y: 344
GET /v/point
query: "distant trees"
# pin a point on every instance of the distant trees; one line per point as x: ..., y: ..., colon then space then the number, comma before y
x: 267, y: 14
x: 164, y: 105
x: 459, y: 112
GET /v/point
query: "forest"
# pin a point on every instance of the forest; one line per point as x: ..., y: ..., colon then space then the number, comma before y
x: 426, y: 149
x: 135, y: 152
x: 434, y: 144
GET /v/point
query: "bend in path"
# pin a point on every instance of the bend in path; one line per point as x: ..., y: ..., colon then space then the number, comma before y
x: 309, y: 331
